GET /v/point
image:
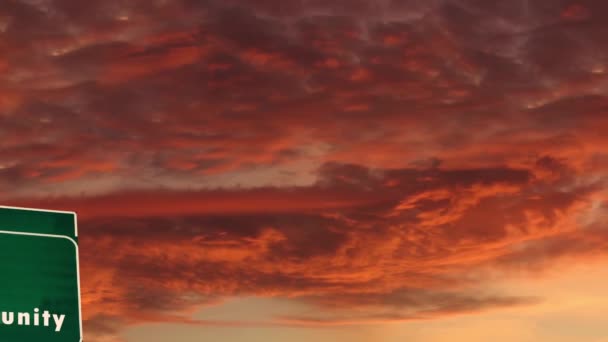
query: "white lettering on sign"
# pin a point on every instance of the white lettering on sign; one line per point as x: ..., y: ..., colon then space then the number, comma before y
x: 33, y: 319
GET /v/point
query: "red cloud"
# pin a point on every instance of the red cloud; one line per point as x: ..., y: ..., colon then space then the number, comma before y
x: 575, y: 12
x: 393, y: 245
x: 361, y: 158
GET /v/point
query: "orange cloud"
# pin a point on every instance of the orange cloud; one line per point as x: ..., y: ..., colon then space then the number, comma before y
x: 373, y: 161
x: 364, y: 246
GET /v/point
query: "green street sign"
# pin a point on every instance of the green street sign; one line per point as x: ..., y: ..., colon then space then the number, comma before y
x: 39, y: 282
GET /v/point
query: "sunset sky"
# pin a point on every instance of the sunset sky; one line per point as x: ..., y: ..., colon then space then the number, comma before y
x: 318, y: 170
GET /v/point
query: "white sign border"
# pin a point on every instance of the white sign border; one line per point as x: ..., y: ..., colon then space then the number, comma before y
x: 48, y: 211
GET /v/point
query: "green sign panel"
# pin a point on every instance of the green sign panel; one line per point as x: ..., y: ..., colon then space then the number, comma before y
x: 39, y: 282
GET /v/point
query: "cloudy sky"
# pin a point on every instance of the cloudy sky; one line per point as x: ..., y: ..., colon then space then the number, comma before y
x: 327, y: 170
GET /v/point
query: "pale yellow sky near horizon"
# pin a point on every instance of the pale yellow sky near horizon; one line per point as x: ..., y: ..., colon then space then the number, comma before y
x: 572, y: 309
